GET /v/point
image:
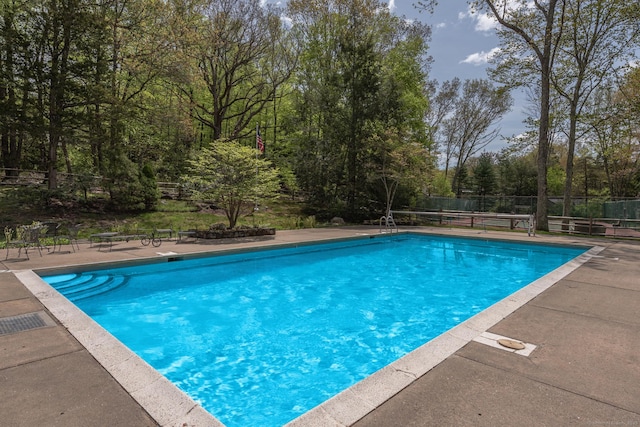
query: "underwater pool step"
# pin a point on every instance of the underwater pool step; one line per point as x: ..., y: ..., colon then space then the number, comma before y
x: 94, y: 288
x: 80, y: 284
x: 78, y: 280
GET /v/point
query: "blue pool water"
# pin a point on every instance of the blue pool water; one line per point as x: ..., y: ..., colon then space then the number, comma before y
x: 258, y: 338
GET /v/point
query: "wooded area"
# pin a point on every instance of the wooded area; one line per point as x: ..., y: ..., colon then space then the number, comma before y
x: 140, y: 91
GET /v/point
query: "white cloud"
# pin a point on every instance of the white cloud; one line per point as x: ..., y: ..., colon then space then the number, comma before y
x: 485, y: 22
x: 440, y: 25
x: 464, y: 15
x: 392, y: 5
x: 263, y: 3
x: 480, y: 58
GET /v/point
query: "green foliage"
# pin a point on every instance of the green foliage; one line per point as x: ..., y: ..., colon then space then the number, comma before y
x: 361, y: 71
x: 555, y: 180
x: 517, y: 174
x: 399, y: 164
x: 441, y: 185
x: 105, y: 89
x: 484, y: 175
x: 232, y: 176
x: 591, y: 209
x: 133, y: 188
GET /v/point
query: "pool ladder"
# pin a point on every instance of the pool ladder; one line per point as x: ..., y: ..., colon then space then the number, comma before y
x: 389, y: 224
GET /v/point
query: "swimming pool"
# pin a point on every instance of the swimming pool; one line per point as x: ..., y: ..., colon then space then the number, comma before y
x: 361, y: 303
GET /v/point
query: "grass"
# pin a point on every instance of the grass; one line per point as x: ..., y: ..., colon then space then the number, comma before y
x: 20, y: 206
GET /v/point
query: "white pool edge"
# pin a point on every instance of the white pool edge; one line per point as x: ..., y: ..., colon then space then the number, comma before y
x: 170, y: 406
x: 164, y: 401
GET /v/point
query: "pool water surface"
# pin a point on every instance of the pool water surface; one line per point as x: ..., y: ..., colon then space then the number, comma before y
x: 260, y: 337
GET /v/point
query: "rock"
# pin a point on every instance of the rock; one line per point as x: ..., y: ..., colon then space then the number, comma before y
x: 336, y: 220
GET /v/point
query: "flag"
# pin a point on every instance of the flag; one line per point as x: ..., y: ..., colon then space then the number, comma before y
x: 259, y: 143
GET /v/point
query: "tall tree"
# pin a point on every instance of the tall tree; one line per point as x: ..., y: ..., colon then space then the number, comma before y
x: 599, y: 39
x: 361, y: 67
x: 442, y: 103
x: 10, y: 147
x: 484, y: 175
x: 242, y: 55
x: 614, y: 124
x: 467, y: 130
x: 525, y: 28
x: 61, y: 15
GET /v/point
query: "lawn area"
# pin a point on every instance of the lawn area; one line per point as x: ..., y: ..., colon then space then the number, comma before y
x: 21, y: 206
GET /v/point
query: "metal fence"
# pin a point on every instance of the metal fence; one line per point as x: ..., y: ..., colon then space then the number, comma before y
x: 603, y: 227
x: 580, y: 206
x: 624, y: 209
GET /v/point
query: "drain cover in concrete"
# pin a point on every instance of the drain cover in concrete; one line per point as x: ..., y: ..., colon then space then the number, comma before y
x: 24, y: 322
x: 512, y: 344
x: 505, y: 343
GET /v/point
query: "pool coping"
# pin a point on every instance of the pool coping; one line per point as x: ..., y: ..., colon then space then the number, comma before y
x: 167, y: 404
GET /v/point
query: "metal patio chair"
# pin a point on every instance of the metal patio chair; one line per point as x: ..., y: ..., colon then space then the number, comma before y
x: 68, y: 234
x: 26, y: 237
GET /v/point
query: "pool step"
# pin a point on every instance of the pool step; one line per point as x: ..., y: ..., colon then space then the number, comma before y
x: 79, y: 281
x: 86, y: 286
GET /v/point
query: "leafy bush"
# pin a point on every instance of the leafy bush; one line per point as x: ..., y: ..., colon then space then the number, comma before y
x: 133, y: 188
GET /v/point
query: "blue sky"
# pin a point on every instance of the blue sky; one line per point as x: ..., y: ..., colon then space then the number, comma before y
x: 460, y: 46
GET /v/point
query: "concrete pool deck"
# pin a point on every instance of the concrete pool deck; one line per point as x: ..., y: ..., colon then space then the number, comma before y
x: 583, y: 327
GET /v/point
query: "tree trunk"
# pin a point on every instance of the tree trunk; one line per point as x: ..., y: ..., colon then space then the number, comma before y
x: 9, y: 147
x: 546, y: 65
x: 61, y: 46
x: 568, y: 183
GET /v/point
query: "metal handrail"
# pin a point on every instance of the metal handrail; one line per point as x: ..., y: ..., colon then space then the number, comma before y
x: 389, y: 223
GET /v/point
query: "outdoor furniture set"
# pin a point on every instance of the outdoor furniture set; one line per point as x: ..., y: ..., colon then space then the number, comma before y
x: 40, y: 235
x: 146, y: 238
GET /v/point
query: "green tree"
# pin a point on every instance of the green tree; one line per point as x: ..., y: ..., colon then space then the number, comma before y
x: 517, y: 174
x: 440, y: 186
x: 232, y: 176
x: 556, y: 178
x: 399, y: 164
x: 525, y: 30
x: 236, y: 54
x: 614, y: 124
x: 10, y: 132
x: 361, y: 69
x: 467, y: 130
x: 600, y: 38
x: 484, y: 175
x: 133, y: 188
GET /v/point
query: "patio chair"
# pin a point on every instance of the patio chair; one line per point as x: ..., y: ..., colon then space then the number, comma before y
x: 32, y: 238
x: 10, y: 242
x: 26, y: 237
x: 49, y: 231
x: 68, y: 234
